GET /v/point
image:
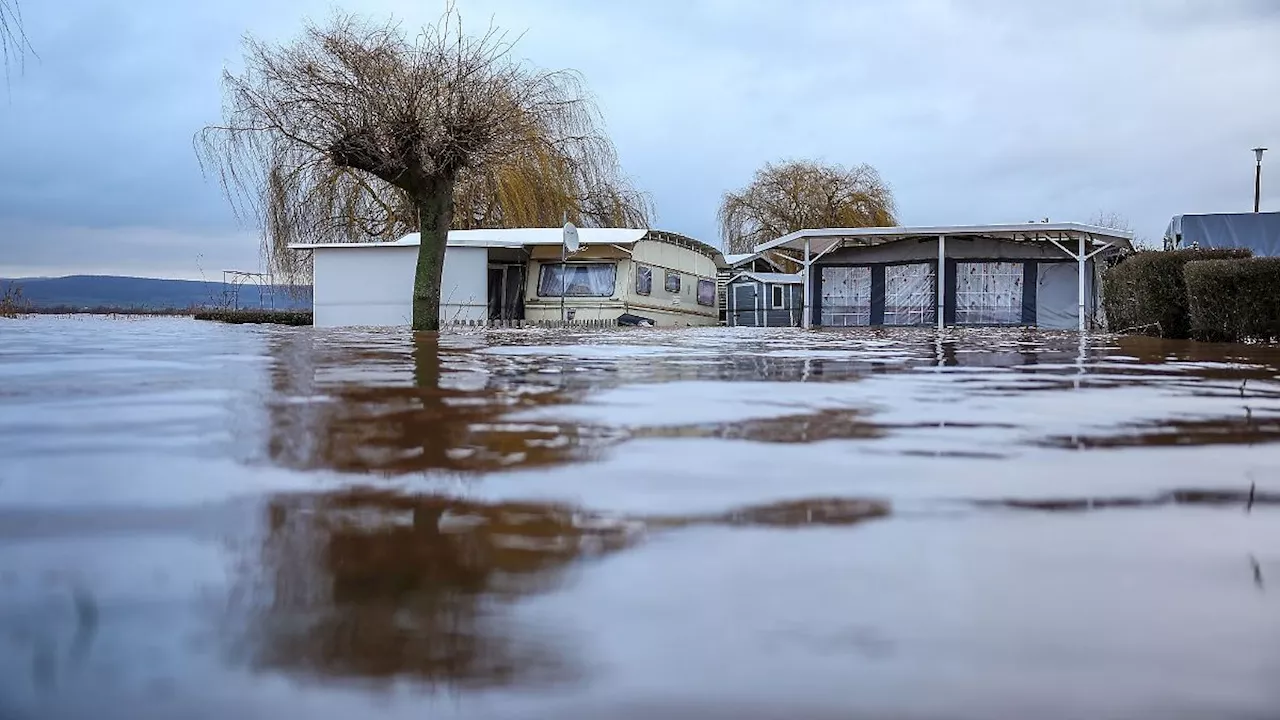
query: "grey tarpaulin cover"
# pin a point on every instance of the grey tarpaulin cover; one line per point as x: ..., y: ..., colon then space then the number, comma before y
x: 1257, y: 231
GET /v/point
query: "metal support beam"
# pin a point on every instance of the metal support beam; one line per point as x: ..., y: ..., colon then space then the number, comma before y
x: 1063, y: 248
x: 830, y: 247
x: 807, y: 320
x: 942, y: 274
x: 1095, y: 252
x: 1080, y: 260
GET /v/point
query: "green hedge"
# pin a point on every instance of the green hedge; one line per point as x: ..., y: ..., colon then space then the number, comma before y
x: 1234, y: 300
x: 1146, y: 292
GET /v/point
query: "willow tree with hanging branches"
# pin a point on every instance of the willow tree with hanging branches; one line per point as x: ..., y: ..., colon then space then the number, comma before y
x: 785, y: 197
x: 13, y: 38
x: 359, y: 131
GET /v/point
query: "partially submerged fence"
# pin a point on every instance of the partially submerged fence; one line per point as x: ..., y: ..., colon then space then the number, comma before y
x: 515, y: 324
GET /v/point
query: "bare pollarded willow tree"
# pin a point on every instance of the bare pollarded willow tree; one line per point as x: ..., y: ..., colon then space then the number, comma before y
x: 358, y: 131
x: 785, y: 197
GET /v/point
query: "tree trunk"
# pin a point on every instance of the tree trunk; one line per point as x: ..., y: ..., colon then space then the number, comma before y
x: 435, y: 215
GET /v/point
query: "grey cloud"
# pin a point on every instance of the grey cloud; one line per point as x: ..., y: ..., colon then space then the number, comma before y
x: 974, y: 110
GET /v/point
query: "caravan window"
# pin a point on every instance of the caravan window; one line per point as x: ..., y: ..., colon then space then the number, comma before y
x: 579, y: 280
x: 707, y: 292
x: 673, y: 282
x: 644, y: 280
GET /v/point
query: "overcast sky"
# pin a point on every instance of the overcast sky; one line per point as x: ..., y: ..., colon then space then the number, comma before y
x: 975, y: 111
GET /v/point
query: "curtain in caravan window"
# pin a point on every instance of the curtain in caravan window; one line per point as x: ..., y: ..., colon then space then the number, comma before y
x: 707, y: 292
x: 846, y: 296
x: 644, y: 280
x: 989, y: 293
x: 580, y: 280
x: 909, y: 292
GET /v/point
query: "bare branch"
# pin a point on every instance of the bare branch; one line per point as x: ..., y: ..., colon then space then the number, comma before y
x: 14, y: 46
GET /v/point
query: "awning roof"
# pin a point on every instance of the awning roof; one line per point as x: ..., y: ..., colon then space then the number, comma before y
x: 739, y: 258
x: 1023, y: 232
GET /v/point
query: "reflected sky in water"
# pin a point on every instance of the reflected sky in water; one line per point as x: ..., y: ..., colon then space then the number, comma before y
x: 206, y: 521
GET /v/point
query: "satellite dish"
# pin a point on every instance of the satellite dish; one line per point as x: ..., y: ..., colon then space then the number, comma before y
x: 571, y: 237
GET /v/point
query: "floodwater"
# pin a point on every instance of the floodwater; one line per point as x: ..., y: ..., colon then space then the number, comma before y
x: 207, y: 521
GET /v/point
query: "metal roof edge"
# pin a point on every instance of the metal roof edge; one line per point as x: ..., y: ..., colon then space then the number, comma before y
x: 949, y: 230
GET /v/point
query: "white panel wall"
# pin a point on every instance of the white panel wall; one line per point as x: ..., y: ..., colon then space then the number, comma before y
x: 373, y: 286
x: 1058, y: 295
x: 464, y: 288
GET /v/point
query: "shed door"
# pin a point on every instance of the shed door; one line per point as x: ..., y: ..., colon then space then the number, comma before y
x: 746, y: 307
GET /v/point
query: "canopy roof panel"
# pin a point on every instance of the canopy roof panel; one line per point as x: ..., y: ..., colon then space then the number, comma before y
x: 1022, y: 232
x: 528, y: 237
x: 512, y: 238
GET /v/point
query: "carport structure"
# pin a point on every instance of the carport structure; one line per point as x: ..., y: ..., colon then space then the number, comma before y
x: 980, y: 274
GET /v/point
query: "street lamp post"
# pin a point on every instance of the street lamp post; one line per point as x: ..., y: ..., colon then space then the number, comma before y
x: 1257, y: 178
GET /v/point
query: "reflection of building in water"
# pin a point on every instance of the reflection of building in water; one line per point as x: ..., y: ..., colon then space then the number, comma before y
x: 376, y: 586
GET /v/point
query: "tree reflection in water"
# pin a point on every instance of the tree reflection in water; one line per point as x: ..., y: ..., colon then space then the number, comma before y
x: 392, y: 408
x: 372, y: 585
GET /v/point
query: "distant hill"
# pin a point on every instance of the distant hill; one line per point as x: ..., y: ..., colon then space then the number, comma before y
x: 113, y: 291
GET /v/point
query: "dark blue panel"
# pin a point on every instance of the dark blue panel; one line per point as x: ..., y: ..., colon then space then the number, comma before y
x: 877, y: 295
x: 949, y: 293
x: 1030, y: 283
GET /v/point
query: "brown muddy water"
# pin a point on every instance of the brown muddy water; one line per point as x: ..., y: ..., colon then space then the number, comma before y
x: 205, y: 521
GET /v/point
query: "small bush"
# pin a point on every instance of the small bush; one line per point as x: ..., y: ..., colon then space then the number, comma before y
x: 11, y: 302
x: 1234, y: 300
x: 1146, y: 293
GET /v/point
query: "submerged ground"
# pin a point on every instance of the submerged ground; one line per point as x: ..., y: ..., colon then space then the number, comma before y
x: 214, y: 521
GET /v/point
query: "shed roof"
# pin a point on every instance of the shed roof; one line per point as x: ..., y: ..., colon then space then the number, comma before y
x: 1021, y: 232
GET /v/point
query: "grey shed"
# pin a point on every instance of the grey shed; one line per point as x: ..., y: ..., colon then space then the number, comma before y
x: 763, y: 299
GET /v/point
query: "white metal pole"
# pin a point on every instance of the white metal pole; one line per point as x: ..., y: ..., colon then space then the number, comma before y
x: 564, y: 270
x: 942, y: 274
x: 1080, y: 261
x: 807, y: 321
